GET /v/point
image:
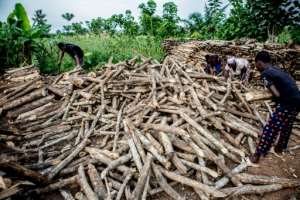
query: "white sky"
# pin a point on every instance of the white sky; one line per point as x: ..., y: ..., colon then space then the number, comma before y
x: 88, y: 9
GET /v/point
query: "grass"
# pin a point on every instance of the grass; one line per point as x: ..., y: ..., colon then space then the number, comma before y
x: 98, y: 49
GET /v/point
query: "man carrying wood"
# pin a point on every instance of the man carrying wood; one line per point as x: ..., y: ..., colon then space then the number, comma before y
x: 72, y: 50
x: 213, y: 64
x: 237, y: 67
x: 287, y: 96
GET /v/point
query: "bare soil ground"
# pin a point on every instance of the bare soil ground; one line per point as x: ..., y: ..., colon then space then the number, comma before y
x: 286, y: 166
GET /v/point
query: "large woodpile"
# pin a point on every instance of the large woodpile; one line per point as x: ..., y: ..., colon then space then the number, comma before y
x: 130, y: 131
x: 193, y: 52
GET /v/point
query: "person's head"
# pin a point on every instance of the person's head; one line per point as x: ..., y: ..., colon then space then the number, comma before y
x: 231, y: 62
x: 215, y: 59
x: 61, y: 46
x: 262, y: 60
x: 207, y: 58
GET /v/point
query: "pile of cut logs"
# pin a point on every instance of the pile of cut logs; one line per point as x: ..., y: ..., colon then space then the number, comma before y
x: 193, y: 52
x: 130, y: 131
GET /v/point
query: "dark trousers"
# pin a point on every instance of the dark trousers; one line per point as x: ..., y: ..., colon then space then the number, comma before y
x: 281, y: 122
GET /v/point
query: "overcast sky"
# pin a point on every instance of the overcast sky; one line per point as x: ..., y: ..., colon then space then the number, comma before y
x: 88, y: 9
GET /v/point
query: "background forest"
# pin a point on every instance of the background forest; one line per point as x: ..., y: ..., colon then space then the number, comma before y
x: 122, y: 36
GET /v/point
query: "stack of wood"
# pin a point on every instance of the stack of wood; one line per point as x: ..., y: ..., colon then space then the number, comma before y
x: 130, y: 130
x: 193, y: 52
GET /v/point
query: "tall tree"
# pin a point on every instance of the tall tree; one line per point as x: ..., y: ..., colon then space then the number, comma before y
x: 68, y: 16
x: 96, y: 25
x: 129, y: 25
x: 170, y: 20
x: 214, y: 17
x: 148, y: 21
x: 268, y: 17
x: 195, y: 22
x: 40, y: 21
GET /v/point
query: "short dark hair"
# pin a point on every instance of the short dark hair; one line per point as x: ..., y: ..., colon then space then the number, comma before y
x: 61, y: 45
x: 207, y: 56
x: 263, y: 56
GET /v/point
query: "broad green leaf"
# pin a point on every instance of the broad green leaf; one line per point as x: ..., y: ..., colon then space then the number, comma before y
x: 21, y: 14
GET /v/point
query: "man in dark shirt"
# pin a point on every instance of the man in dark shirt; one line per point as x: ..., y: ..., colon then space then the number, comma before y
x: 287, y: 96
x: 73, y: 50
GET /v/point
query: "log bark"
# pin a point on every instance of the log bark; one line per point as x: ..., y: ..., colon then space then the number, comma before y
x: 83, y: 182
x: 137, y: 192
x: 25, y: 99
x: 164, y: 184
x: 96, y: 181
x: 192, y: 183
x: 79, y: 148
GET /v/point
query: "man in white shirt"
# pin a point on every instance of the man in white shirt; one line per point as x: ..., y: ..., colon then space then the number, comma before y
x: 237, y: 67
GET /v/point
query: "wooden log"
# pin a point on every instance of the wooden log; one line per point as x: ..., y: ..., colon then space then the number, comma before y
x: 67, y: 108
x: 80, y: 196
x: 99, y: 156
x: 16, y: 169
x: 223, y: 181
x: 164, y: 184
x: 34, y: 112
x: 66, y: 195
x: 119, y: 118
x: 147, y: 144
x: 252, y: 189
x: 213, y: 157
x: 83, y: 182
x: 258, y: 95
x: 155, y: 143
x: 25, y: 99
x: 30, y: 106
x: 137, y: 192
x: 192, y: 183
x: 112, y: 165
x: 166, y: 142
x: 242, y: 100
x: 57, y: 185
x: 26, y: 90
x: 204, y: 132
x: 200, y: 168
x: 21, y: 88
x: 57, y: 91
x: 79, y: 148
x: 15, y: 189
x: 265, y: 180
x: 122, y: 188
x: 96, y: 181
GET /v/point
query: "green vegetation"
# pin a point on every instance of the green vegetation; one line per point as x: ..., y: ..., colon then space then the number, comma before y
x: 99, y: 49
x: 121, y: 36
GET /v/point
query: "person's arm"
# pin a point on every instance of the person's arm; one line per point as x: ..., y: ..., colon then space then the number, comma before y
x: 77, y: 61
x: 274, y: 90
x: 267, y: 80
x: 226, y: 72
x: 62, y: 53
x: 246, y: 75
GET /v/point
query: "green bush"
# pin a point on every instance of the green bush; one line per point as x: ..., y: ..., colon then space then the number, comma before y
x: 289, y: 35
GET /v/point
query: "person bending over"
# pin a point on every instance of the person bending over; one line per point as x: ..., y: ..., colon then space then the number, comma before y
x: 287, y: 96
x: 72, y: 50
x: 213, y: 64
x: 237, y: 67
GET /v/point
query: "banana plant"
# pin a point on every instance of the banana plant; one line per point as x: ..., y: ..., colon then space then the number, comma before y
x: 28, y: 35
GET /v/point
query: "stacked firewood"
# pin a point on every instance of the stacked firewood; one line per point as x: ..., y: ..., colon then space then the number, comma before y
x: 131, y: 130
x: 193, y: 52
